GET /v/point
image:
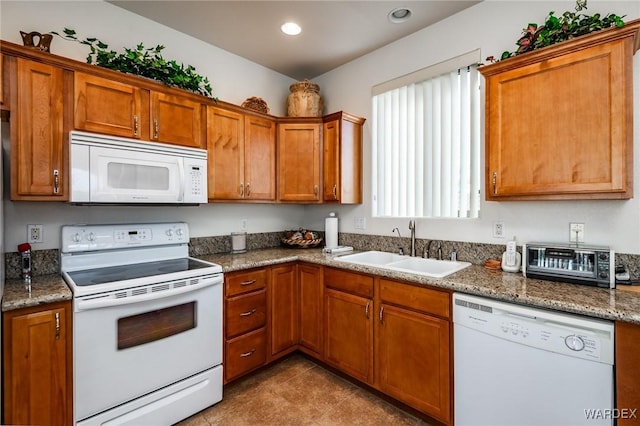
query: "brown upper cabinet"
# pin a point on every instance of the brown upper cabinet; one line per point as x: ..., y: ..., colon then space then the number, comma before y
x: 38, y: 150
x: 559, y: 120
x: 342, y: 158
x: 242, y: 156
x: 253, y: 157
x: 299, y: 161
x: 108, y: 106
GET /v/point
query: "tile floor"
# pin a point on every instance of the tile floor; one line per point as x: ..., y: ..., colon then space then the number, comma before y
x: 296, y: 391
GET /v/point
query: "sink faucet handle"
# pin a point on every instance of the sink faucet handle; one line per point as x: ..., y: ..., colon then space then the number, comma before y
x: 396, y: 230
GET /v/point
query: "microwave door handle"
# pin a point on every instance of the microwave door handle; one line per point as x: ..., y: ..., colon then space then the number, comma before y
x: 181, y: 172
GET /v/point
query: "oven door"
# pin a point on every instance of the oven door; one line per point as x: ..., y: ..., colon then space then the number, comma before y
x: 126, y: 348
x: 127, y: 176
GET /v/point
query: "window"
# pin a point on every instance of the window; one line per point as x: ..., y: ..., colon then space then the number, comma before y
x: 426, y: 142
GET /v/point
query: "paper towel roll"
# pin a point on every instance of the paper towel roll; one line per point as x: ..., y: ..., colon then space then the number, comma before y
x: 331, y: 231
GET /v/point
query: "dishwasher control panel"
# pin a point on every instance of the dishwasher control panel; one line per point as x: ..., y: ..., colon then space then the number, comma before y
x: 557, y: 332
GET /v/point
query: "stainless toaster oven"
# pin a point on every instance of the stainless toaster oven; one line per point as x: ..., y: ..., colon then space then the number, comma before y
x: 569, y: 263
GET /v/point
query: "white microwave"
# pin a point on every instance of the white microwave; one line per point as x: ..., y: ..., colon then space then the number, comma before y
x: 113, y: 170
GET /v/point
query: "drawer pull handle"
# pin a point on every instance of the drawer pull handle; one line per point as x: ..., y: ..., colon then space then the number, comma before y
x: 246, y: 354
x: 241, y: 190
x: 381, y: 312
x: 248, y: 282
x: 156, y: 128
x: 366, y: 310
x: 246, y: 314
x: 335, y: 191
x: 248, y: 189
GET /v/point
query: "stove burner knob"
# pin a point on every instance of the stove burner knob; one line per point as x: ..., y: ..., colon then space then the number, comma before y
x: 91, y: 236
x: 179, y: 232
x: 76, y: 237
x: 169, y: 232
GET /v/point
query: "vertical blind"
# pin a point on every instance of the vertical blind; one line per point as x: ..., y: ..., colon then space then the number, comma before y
x: 426, y: 146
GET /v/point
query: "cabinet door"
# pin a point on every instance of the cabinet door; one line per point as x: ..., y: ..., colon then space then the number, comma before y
x: 260, y: 159
x: 284, y: 308
x: 37, y: 139
x: 2, y: 83
x: 348, y: 329
x: 36, y: 387
x: 552, y: 135
x: 412, y: 358
x: 627, y: 372
x: 176, y: 120
x: 331, y: 161
x: 299, y: 162
x: 311, y: 312
x: 107, y: 106
x: 225, y: 140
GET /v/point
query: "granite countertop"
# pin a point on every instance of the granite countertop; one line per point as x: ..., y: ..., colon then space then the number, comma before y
x: 621, y: 303
x: 43, y: 289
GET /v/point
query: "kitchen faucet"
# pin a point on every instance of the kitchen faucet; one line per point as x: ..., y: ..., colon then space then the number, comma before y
x: 412, y: 227
x: 400, y: 249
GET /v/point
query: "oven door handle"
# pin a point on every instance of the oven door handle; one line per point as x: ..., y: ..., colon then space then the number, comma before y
x: 107, y: 301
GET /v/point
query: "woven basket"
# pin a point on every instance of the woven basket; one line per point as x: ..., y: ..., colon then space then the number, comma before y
x: 304, y: 100
x: 256, y: 104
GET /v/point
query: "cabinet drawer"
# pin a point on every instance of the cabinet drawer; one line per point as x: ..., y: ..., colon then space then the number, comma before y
x: 245, y: 313
x: 243, y: 282
x: 361, y: 285
x: 245, y: 353
x: 427, y: 300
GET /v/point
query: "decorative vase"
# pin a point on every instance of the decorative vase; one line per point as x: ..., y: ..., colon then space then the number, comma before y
x: 36, y: 40
x: 304, y: 100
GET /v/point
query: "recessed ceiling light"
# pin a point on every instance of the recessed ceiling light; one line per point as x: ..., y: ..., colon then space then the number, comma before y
x: 291, y: 28
x: 399, y: 15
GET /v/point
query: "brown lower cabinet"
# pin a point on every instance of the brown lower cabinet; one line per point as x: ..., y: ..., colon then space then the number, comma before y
x: 348, y: 323
x: 37, y: 347
x: 284, y: 309
x: 412, y: 347
x: 311, y: 294
x: 245, y: 322
x: 627, y: 337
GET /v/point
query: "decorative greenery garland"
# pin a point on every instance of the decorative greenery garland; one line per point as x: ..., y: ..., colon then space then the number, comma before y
x: 146, y: 62
x: 558, y: 29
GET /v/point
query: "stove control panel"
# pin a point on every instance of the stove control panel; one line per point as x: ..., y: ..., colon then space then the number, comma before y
x: 79, y: 238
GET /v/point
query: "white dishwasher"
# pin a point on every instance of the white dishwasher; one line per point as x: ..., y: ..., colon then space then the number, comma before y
x: 515, y: 365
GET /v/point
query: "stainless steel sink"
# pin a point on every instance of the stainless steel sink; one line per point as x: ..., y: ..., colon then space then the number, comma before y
x: 416, y: 265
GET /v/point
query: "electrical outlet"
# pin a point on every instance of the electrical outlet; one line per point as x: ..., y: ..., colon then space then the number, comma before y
x: 359, y: 223
x: 244, y: 225
x: 498, y: 230
x: 34, y: 233
x: 576, y: 233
